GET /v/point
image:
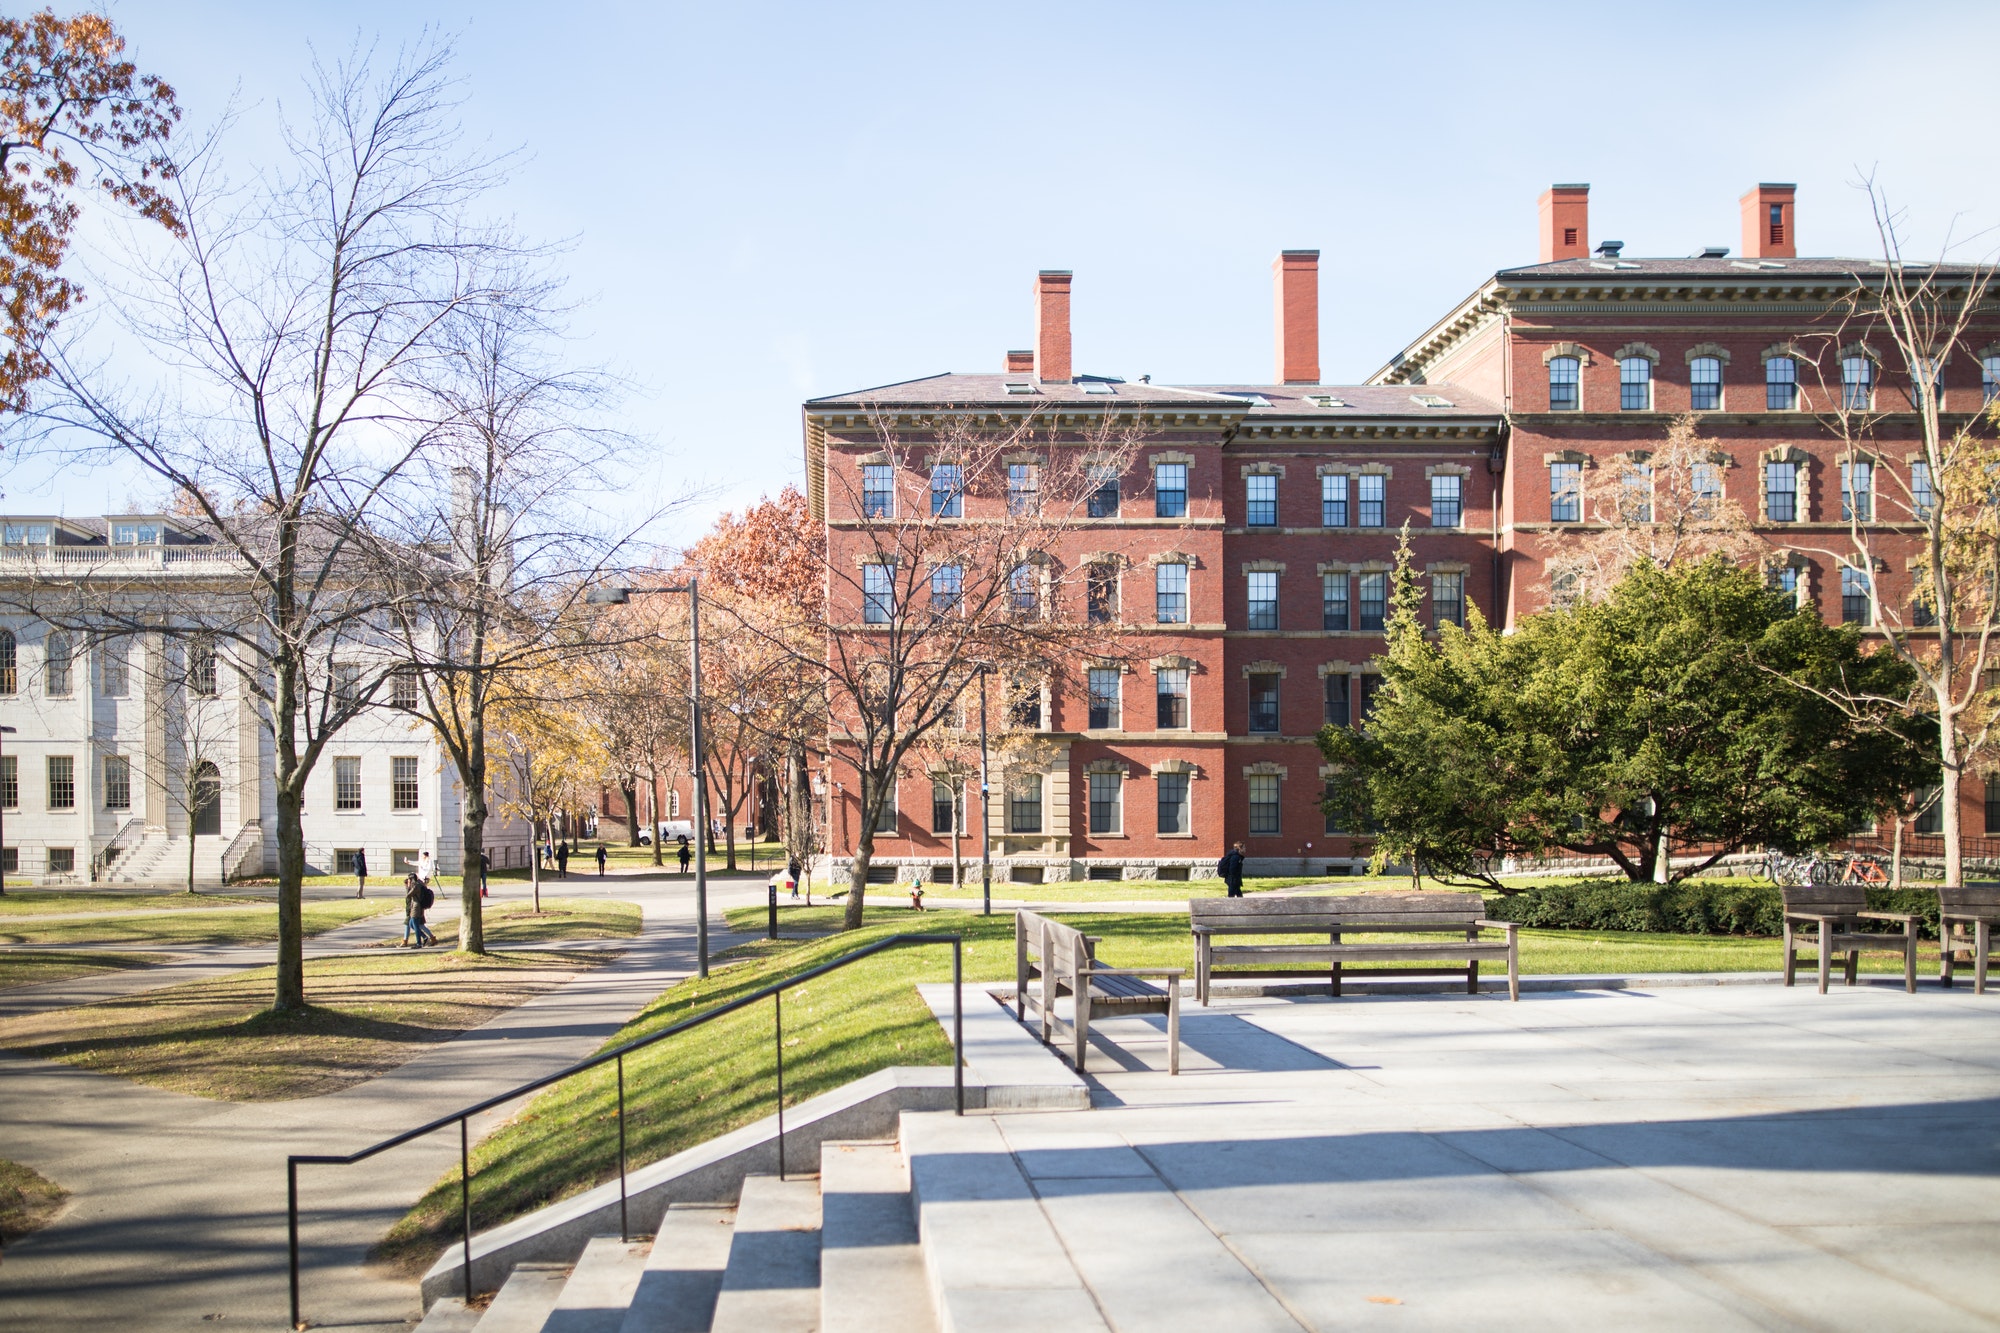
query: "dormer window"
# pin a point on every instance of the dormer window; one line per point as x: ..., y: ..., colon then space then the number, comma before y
x: 135, y: 534
x: 26, y: 534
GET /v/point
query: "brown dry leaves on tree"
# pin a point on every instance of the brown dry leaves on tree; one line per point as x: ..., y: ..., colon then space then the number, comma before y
x: 73, y: 117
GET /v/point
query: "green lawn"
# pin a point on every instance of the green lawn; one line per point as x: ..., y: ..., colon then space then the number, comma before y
x: 511, y: 924
x: 28, y: 1202
x: 1131, y: 890
x: 220, y: 1039
x: 19, y: 968
x: 236, y: 926
x: 50, y: 902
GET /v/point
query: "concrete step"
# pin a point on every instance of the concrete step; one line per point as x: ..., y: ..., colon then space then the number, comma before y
x: 524, y: 1301
x: 449, y: 1315
x: 677, y: 1291
x: 994, y: 1261
x: 599, y: 1291
x: 871, y: 1269
x: 771, y: 1284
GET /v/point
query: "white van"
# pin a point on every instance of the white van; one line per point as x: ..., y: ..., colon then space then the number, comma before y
x: 671, y: 830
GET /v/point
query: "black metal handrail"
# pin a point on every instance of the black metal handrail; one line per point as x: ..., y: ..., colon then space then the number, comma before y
x: 617, y: 1054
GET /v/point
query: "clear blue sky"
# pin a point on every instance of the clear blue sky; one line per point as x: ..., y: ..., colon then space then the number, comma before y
x: 770, y: 201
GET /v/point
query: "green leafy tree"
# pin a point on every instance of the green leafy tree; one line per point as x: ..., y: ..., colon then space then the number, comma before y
x: 1654, y: 724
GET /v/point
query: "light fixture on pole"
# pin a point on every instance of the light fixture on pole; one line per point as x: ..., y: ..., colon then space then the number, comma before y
x: 619, y: 596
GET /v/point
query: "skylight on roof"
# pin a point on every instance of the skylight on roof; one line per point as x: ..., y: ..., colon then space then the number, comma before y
x: 1325, y: 400
x: 1096, y: 386
x: 1429, y: 400
x: 1020, y: 386
x: 1254, y: 399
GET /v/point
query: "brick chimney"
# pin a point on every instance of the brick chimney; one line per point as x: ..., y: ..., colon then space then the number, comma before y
x: 1052, y: 325
x: 1565, y: 222
x: 1021, y: 362
x: 1296, y: 276
x: 1769, y: 225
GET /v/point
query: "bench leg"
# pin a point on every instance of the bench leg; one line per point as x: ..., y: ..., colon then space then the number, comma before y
x: 1945, y: 954
x: 1472, y: 978
x: 1982, y: 940
x: 1201, y: 970
x: 1173, y: 1025
x: 1082, y: 1024
x: 1791, y: 954
x: 1909, y: 958
x: 1825, y: 954
x: 1513, y: 967
x: 1853, y: 966
x: 1334, y: 978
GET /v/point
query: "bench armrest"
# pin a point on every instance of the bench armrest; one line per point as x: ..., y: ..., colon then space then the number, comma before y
x: 1834, y: 918
x: 1135, y: 971
x: 1509, y: 926
x: 1909, y: 918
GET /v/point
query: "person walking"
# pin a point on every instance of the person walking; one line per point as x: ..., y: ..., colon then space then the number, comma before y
x: 562, y: 860
x: 685, y: 855
x: 426, y: 899
x: 601, y: 858
x: 360, y: 873
x: 412, y: 895
x: 792, y: 869
x: 485, y: 872
x: 426, y: 867
x: 1230, y: 867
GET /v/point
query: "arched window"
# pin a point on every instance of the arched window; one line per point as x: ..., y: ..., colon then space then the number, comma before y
x: 9, y: 675
x: 55, y: 664
x: 206, y: 816
x: 1563, y: 383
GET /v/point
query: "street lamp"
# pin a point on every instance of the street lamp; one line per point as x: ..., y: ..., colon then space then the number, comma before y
x: 4, y: 731
x: 985, y: 805
x: 619, y: 596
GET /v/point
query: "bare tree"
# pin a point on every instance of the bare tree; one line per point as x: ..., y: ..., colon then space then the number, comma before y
x: 298, y: 324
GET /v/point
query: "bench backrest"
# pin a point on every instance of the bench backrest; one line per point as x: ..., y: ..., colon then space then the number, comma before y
x: 1970, y: 899
x: 1294, y: 912
x: 1055, y: 947
x: 1825, y: 899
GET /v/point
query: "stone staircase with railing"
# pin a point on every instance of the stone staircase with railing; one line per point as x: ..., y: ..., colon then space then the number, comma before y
x: 159, y: 858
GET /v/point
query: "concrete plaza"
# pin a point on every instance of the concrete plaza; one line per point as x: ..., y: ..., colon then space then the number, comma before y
x: 1717, y: 1157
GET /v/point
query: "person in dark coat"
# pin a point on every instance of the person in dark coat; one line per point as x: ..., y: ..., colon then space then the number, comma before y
x: 685, y: 854
x: 1230, y: 867
x: 562, y: 860
x: 601, y: 857
x: 793, y: 870
x: 360, y: 873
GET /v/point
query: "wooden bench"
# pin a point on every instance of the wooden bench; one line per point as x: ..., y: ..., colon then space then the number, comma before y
x: 1065, y: 959
x: 1214, y: 919
x: 1967, y: 915
x: 1828, y: 918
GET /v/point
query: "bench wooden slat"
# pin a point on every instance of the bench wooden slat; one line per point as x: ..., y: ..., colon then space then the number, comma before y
x: 1064, y: 959
x: 1280, y: 953
x: 1215, y: 921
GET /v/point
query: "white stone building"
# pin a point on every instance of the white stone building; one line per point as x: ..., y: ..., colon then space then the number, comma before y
x: 119, y: 752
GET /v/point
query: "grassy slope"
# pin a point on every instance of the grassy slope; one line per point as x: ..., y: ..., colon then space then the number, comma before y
x: 41, y: 902
x: 219, y: 1039
x: 20, y: 968
x: 28, y: 1202
x: 236, y: 926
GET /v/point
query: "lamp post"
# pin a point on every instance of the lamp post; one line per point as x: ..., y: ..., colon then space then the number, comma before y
x: 5, y: 731
x: 985, y: 806
x: 619, y: 596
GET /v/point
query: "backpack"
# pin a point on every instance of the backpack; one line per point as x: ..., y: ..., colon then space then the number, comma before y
x: 425, y: 898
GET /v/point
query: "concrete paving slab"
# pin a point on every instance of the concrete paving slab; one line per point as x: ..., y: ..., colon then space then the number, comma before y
x: 600, y: 1289
x: 771, y: 1284
x: 676, y: 1293
x: 871, y: 1267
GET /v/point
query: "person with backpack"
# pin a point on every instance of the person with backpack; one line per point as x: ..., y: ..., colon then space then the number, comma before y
x: 412, y: 906
x: 685, y: 855
x: 601, y: 858
x: 793, y: 870
x: 1230, y: 867
x: 360, y: 873
x: 426, y: 899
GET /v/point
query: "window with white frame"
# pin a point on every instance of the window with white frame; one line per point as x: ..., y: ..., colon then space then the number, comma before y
x: 56, y: 663
x: 947, y: 588
x: 1107, y: 803
x: 1705, y: 383
x: 887, y: 819
x: 1565, y: 492
x: 1170, y: 490
x: 1368, y: 490
x: 115, y: 667
x: 1563, y: 383
x: 1781, y: 492
x: 1705, y: 480
x: 403, y: 791
x: 1100, y: 593
x: 1333, y: 500
x: 403, y: 689
x: 1103, y: 499
x: 10, y: 675
x: 1448, y: 599
x: 1105, y: 687
x: 347, y: 783
x: 1781, y: 384
x: 135, y: 534
x: 1260, y: 496
x: 1024, y: 489
x: 346, y: 684
x: 1446, y: 500
x: 1263, y: 792
x: 947, y: 490
x: 1637, y: 500
x: 1374, y: 599
x: 201, y: 669
x: 1024, y: 590
x: 1922, y: 497
x: 1172, y: 697
x: 878, y: 490
x: 1264, y: 703
x: 1173, y: 802
x: 878, y: 593
x: 1857, y: 492
x: 1856, y: 599
x: 1635, y: 384
x: 1336, y: 700
x: 1857, y: 383
x: 1263, y: 599
x: 1170, y: 593
x: 1024, y: 803
x: 1989, y: 378
x: 10, y: 782
x: 1333, y: 601
x: 117, y: 782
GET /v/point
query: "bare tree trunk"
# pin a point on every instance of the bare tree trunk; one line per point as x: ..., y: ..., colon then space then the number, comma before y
x: 290, y: 994
x: 535, y: 863
x: 658, y: 838
x: 472, y: 844
x: 629, y: 789
x: 1663, y: 862
x: 190, y: 876
x: 1949, y: 781
x: 857, y: 876
x: 1896, y: 854
x: 957, y: 831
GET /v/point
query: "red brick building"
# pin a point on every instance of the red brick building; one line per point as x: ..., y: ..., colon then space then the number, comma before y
x: 1276, y: 508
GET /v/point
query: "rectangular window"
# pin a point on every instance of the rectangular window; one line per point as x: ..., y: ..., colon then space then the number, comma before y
x: 346, y: 684
x: 1173, y: 802
x: 10, y: 781
x: 1922, y: 497
x: 62, y: 782
x: 1930, y: 811
x: 1101, y: 594
x: 1170, y: 594
x: 1107, y: 803
x: 1170, y: 490
x: 1857, y: 492
x: 947, y: 805
x: 135, y: 534
x: 1336, y: 701
x: 1992, y: 804
x: 1263, y: 802
x: 1260, y: 495
x: 1103, y: 501
x: 1263, y: 599
x: 55, y: 664
x: 1374, y: 599
x: 948, y: 491
x: 878, y: 593
x: 117, y: 782
x: 1785, y: 579
x: 1173, y: 699
x: 1565, y: 492
x: 347, y: 784
x: 1638, y: 497
x: 403, y: 783
x: 1371, y: 688
x: 1368, y: 488
x: 1854, y: 600
x: 1105, y: 683
x: 1332, y: 826
x: 343, y: 860
x: 1705, y: 481
x: 1563, y: 383
x: 1445, y: 502
x: 878, y: 490
x: 888, y: 820
x: 1333, y: 501
x: 1264, y: 705
x: 116, y: 670
x: 27, y: 534
x: 1024, y: 704
x: 1857, y: 383
x: 1922, y: 616
x: 1024, y: 804
x: 1333, y: 601
x: 403, y: 689
x: 947, y: 586
x: 1448, y: 599
x: 1989, y: 378
x: 201, y: 673
x: 1781, y: 492
x: 62, y: 860
x: 1635, y: 384
x: 1024, y: 591
x: 1705, y: 383
x: 1781, y: 384
x: 1024, y: 489
x: 10, y: 677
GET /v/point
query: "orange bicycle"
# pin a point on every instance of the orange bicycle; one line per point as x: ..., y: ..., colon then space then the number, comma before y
x: 1865, y: 870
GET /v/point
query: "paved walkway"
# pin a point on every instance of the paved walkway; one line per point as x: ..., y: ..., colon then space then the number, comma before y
x: 1719, y: 1158
x: 177, y: 1213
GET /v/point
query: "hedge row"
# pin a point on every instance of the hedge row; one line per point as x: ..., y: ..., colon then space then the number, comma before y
x: 1696, y: 907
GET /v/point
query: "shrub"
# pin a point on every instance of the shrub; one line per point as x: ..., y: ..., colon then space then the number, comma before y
x: 1694, y: 907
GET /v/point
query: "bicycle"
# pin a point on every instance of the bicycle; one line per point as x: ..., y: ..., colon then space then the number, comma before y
x: 1795, y: 870
x: 1865, y: 870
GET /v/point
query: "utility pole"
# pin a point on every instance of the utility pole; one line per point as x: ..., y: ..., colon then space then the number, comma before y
x: 985, y: 804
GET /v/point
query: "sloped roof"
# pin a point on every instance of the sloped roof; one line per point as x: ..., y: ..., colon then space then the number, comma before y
x: 1347, y: 400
